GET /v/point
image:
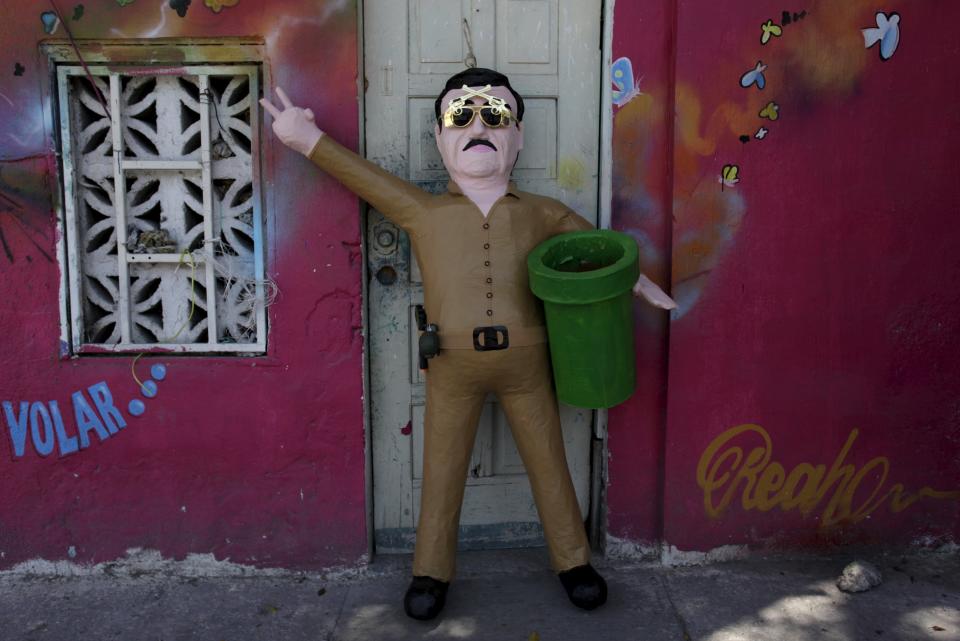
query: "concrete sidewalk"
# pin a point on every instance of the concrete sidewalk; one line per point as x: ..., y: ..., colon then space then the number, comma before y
x: 498, y: 596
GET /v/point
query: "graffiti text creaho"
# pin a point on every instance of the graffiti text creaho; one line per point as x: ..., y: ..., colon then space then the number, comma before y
x: 843, y: 492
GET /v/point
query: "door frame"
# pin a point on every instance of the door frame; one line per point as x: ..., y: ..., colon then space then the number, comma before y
x: 597, y: 509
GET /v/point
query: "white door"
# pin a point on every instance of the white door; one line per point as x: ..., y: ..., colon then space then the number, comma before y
x: 550, y: 50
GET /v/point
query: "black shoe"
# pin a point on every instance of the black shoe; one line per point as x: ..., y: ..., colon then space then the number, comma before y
x: 425, y: 597
x: 585, y: 587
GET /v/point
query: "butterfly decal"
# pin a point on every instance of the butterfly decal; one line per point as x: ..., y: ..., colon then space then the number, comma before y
x: 729, y: 176
x: 887, y: 33
x: 50, y: 22
x: 627, y: 87
x: 217, y: 5
x: 769, y: 30
x: 180, y: 6
x: 761, y: 133
x: 786, y: 17
x: 771, y: 111
x: 754, y: 76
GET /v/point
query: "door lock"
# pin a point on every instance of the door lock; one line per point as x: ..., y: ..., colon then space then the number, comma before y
x: 386, y: 275
x: 385, y: 237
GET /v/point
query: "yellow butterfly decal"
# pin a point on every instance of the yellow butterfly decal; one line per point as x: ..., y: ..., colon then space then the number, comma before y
x: 771, y: 111
x: 217, y: 5
x: 770, y: 29
x: 729, y: 176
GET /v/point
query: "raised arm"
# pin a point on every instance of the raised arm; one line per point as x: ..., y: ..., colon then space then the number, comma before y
x: 644, y: 288
x: 394, y: 197
x: 651, y: 292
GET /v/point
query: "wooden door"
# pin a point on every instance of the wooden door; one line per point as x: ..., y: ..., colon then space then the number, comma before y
x: 550, y: 50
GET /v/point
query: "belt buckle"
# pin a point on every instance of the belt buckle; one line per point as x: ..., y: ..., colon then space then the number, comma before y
x: 491, y: 338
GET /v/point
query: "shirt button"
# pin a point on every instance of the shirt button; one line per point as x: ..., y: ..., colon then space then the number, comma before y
x: 486, y: 263
x: 486, y: 245
x: 486, y: 225
x: 489, y: 312
x: 489, y: 294
x: 489, y: 280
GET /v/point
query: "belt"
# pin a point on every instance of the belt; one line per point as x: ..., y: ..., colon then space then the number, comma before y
x: 480, y: 336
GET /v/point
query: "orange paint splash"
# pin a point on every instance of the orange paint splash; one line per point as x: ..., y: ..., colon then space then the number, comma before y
x: 817, y: 60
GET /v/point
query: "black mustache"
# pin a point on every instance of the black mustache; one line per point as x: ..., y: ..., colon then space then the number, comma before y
x: 479, y: 141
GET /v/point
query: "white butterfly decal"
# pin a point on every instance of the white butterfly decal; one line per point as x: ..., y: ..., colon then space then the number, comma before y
x: 887, y: 33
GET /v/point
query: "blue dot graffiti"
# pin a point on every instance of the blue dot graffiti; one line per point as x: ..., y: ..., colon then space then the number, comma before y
x: 148, y: 388
x: 136, y: 407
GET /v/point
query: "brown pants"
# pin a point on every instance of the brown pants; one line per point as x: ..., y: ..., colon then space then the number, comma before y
x: 457, y: 383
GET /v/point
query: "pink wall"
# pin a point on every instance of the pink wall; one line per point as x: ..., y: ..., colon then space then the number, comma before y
x: 816, y: 299
x: 818, y: 294
x: 643, y: 34
x: 200, y: 471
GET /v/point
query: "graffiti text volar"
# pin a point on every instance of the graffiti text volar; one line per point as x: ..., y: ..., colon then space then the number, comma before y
x: 46, y: 427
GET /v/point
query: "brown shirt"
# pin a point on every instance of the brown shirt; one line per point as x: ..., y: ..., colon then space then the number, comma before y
x: 474, y: 268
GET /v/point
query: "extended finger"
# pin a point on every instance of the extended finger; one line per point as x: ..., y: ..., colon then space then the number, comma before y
x: 284, y: 98
x: 270, y: 107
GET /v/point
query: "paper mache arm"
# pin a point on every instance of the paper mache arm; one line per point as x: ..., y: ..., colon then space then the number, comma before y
x: 394, y: 197
x: 651, y: 292
x: 644, y: 287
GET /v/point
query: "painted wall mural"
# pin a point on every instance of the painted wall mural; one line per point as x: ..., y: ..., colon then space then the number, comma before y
x: 789, y: 50
x: 836, y: 494
x: 47, y: 426
x: 172, y: 461
x: 805, y: 221
x: 812, y: 247
x: 22, y: 227
x: 641, y: 206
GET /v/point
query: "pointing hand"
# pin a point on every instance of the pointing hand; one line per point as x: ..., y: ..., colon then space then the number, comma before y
x: 292, y: 125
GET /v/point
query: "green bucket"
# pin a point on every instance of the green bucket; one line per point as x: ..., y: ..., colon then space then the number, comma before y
x: 585, y: 280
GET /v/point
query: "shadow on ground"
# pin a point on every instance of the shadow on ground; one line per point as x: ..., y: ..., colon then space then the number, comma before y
x: 503, y: 595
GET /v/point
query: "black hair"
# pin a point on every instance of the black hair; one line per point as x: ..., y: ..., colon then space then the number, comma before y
x: 479, y: 77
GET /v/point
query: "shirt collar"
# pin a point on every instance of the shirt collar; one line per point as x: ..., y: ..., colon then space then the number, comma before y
x: 454, y: 189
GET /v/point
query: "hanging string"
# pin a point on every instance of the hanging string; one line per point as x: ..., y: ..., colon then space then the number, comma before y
x: 205, y: 98
x: 83, y: 63
x: 249, y: 286
x: 193, y: 304
x: 471, y: 59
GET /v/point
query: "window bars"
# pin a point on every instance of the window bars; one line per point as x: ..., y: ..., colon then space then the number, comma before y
x: 163, y: 209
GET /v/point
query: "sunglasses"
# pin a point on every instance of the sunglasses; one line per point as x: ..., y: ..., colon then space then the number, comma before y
x: 495, y: 114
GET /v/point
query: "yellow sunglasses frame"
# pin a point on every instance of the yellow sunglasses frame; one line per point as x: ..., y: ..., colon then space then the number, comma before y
x: 497, y: 105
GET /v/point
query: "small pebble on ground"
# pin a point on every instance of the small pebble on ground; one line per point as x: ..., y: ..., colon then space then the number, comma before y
x: 859, y: 576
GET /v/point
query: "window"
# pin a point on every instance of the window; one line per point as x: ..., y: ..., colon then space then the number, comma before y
x: 162, y: 208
